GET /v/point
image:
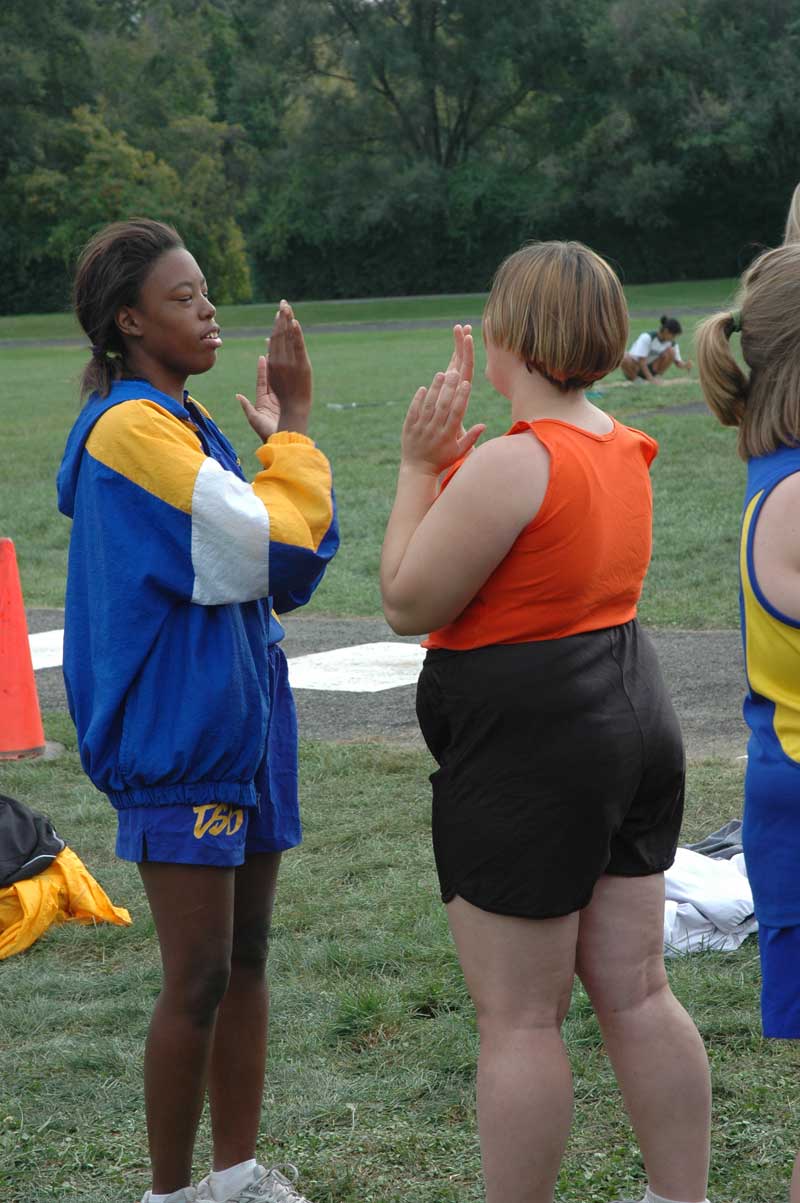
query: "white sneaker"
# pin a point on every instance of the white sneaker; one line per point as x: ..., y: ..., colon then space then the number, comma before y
x: 266, y: 1186
x: 187, y: 1195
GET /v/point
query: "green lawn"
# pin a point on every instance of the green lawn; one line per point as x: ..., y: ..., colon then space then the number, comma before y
x: 373, y: 1042
x: 656, y: 298
x: 363, y: 383
x: 373, y: 1039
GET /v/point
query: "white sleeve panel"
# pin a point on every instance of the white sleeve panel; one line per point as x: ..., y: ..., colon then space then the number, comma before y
x: 230, y: 539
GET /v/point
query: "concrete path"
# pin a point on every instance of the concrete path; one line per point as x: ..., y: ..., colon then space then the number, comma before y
x: 703, y: 670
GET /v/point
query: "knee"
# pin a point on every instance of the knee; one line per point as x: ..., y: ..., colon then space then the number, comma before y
x: 511, y: 1023
x: 199, y: 992
x: 615, y: 998
x: 251, y: 946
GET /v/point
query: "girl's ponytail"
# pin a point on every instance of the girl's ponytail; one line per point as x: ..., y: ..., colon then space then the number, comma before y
x: 765, y: 404
x: 723, y: 382
x: 100, y: 373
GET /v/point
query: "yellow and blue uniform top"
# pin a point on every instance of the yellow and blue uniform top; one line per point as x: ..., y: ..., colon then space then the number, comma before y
x: 771, y: 644
x: 175, y: 563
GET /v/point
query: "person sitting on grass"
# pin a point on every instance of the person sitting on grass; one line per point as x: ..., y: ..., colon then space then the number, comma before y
x: 175, y: 678
x: 654, y: 352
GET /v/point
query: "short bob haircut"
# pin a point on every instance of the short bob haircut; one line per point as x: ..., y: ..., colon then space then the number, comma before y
x: 765, y: 402
x: 561, y: 309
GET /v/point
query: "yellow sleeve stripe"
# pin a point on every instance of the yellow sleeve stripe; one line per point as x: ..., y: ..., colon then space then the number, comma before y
x: 297, y: 488
x: 151, y: 448
x: 772, y: 651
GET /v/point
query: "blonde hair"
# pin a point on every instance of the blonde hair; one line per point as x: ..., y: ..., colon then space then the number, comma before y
x: 765, y: 404
x: 561, y: 309
x: 792, y: 231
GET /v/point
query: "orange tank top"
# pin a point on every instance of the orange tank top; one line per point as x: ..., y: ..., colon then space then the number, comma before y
x: 580, y: 564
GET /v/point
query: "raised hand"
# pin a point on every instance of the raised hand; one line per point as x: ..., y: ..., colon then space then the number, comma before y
x: 463, y: 358
x: 264, y: 414
x: 433, y: 433
x: 290, y: 370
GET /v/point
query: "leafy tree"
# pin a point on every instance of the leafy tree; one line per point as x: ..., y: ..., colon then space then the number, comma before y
x: 346, y: 147
x: 110, y: 117
x: 690, y: 154
x: 405, y: 137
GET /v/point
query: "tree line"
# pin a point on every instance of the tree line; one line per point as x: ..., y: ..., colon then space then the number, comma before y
x: 326, y: 148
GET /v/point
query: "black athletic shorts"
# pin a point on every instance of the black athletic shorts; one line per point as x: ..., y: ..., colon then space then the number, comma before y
x: 559, y: 760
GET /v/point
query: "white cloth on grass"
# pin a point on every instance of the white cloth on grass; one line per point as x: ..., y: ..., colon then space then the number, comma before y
x: 709, y: 904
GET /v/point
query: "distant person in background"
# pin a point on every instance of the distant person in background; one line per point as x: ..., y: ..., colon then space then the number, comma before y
x: 653, y: 353
x: 792, y: 231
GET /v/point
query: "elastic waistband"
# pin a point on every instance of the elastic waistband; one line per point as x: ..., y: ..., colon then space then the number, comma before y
x: 435, y: 654
x: 191, y: 793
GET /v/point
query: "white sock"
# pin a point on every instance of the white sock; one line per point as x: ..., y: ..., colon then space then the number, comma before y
x: 649, y: 1197
x: 173, y: 1195
x: 225, y: 1183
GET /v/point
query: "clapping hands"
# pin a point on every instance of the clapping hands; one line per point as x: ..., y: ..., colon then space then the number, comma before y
x: 433, y: 433
x: 284, y: 384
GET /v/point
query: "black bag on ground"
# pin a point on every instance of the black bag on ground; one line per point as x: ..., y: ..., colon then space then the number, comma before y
x: 28, y: 841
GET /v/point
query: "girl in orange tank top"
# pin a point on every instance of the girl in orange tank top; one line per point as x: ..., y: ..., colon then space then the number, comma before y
x: 558, y: 795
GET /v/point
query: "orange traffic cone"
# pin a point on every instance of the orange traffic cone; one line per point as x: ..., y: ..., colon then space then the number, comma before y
x: 21, y: 732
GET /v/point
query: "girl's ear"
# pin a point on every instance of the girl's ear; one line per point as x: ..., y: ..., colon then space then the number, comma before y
x: 127, y: 322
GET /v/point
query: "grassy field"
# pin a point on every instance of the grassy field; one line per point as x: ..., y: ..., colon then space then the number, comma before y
x: 373, y: 1043
x: 655, y: 298
x: 364, y: 380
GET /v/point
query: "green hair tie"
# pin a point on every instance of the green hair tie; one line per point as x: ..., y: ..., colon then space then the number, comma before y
x: 736, y: 321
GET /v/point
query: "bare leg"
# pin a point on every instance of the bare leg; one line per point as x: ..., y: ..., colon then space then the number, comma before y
x: 519, y: 973
x: 664, y: 361
x: 629, y: 367
x: 192, y: 907
x: 794, y: 1197
x: 656, y: 1050
x: 239, y: 1055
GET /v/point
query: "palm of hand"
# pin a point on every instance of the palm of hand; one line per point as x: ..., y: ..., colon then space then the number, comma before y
x: 283, y: 380
x: 434, y: 436
x: 265, y: 412
x: 289, y: 366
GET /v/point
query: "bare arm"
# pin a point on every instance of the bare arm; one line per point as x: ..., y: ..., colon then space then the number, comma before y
x: 438, y: 551
x: 776, y: 547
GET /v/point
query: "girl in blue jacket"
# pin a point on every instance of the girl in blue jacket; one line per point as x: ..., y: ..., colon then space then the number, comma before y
x: 175, y: 678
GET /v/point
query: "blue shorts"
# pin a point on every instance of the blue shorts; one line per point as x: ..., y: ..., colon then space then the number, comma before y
x: 219, y: 833
x: 779, y: 948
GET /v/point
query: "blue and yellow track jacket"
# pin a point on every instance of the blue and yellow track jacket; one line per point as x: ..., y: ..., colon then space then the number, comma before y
x: 174, y: 564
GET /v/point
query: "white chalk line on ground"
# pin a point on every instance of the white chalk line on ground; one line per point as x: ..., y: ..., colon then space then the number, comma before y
x: 364, y: 668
